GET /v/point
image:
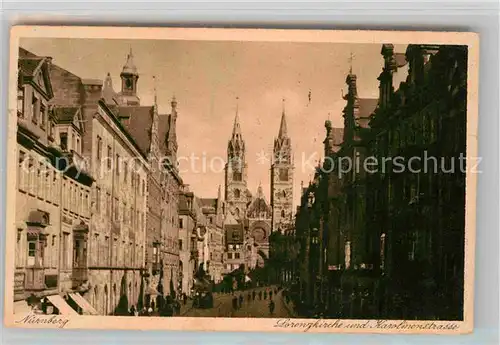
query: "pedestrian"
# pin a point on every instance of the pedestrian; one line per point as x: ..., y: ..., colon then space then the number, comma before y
x: 150, y: 311
x: 241, y: 301
x: 153, y: 305
x: 184, y: 298
x: 271, y: 307
x: 249, y: 297
x: 132, y: 311
x: 177, y: 307
x: 235, y: 303
x: 271, y: 294
x: 253, y: 294
x: 265, y: 294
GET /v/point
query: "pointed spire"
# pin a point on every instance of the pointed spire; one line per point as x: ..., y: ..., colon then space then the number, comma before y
x: 236, y: 126
x: 351, y: 58
x: 260, y: 192
x: 173, y: 103
x: 154, y: 90
x: 283, y: 130
x: 129, y: 67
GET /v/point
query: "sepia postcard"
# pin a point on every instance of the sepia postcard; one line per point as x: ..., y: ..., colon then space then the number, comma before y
x: 241, y: 179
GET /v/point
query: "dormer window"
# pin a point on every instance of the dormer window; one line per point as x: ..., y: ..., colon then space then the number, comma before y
x: 34, y: 110
x: 63, y: 138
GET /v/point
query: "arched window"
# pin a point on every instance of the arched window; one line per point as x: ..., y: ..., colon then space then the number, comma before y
x: 237, y: 193
x: 237, y: 212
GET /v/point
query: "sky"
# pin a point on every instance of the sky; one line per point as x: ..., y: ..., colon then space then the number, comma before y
x: 210, y: 79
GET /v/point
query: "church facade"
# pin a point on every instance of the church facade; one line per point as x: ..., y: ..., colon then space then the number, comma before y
x: 258, y: 217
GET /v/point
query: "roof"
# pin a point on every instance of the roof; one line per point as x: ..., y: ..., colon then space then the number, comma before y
x: 65, y: 114
x: 28, y: 66
x: 338, y: 136
x: 367, y: 106
x: 138, y: 120
x: 230, y: 221
x: 400, y: 59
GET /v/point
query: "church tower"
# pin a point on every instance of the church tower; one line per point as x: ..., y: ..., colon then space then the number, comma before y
x: 236, y: 173
x: 129, y: 76
x: 282, y: 179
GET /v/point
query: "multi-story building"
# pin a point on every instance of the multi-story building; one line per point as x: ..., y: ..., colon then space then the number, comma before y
x: 155, y: 135
x: 108, y: 255
x: 53, y: 200
x: 377, y: 227
x: 213, y: 210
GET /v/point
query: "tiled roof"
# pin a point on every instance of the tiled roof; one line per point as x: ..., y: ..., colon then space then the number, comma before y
x: 367, y: 106
x: 137, y: 120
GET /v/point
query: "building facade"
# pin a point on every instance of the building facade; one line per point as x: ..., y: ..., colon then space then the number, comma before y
x: 363, y: 231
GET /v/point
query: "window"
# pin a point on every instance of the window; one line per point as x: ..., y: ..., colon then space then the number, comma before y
x: 108, y: 204
x: 42, y: 116
x: 125, y: 171
x: 98, y: 200
x: 181, y: 223
x: 156, y: 253
x: 20, y: 171
x: 77, y: 146
x: 229, y: 255
x: 237, y: 176
x: 34, y: 110
x: 20, y: 102
x: 117, y: 165
x: 180, y: 244
x: 110, y: 157
x: 237, y: 193
x: 283, y: 174
x: 99, y: 149
x: 63, y: 138
x: 31, y: 253
x: 236, y: 255
x: 282, y: 213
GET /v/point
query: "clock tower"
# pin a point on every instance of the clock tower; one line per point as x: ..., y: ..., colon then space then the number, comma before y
x: 282, y: 179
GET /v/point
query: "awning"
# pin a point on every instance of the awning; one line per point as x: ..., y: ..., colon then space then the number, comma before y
x: 84, y: 304
x: 60, y: 303
x: 21, y: 307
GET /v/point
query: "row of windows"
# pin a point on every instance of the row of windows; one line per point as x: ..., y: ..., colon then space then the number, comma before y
x: 124, y: 254
x: 41, y: 180
x: 75, y: 198
x: 128, y: 215
x: 230, y: 255
x: 124, y: 171
x: 232, y: 267
x: 37, y: 178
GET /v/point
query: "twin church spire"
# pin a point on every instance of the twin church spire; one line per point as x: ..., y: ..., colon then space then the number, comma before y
x: 281, y: 175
